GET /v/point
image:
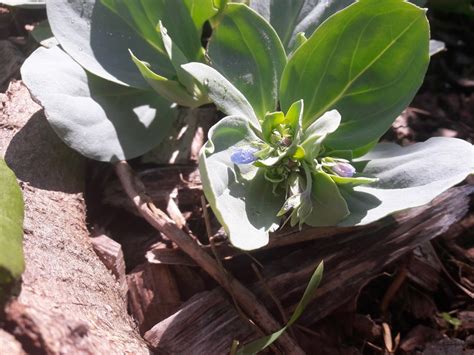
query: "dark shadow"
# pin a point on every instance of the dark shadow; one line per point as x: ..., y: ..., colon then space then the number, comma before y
x: 359, y: 204
x: 39, y: 158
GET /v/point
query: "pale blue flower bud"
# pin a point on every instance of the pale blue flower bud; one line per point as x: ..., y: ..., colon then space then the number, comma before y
x: 244, y: 155
x: 344, y: 169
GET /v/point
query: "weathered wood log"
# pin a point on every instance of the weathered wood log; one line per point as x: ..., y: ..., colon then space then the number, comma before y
x: 206, y: 324
x: 111, y: 254
x: 153, y: 294
x: 69, y: 302
x: 9, y: 345
x: 352, y: 257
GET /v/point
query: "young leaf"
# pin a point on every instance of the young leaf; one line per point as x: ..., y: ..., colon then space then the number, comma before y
x: 99, y: 119
x: 367, y: 61
x: 317, y: 132
x: 224, y: 95
x: 239, y: 195
x: 260, y: 344
x: 248, y: 52
x: 203, y: 10
x: 171, y: 90
x: 99, y: 40
x: 11, y: 228
x: 290, y: 17
x: 408, y: 177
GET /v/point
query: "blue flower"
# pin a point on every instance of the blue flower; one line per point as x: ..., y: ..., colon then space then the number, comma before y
x: 244, y: 155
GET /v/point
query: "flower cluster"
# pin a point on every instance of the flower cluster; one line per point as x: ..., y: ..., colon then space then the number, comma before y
x: 291, y: 156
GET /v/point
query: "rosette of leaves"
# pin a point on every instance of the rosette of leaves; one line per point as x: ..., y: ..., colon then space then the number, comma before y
x: 100, y: 99
x: 316, y: 159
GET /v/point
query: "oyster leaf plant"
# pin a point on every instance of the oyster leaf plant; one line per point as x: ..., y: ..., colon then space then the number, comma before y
x: 299, y: 144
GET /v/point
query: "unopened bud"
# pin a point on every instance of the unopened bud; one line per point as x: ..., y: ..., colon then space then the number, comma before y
x: 344, y: 169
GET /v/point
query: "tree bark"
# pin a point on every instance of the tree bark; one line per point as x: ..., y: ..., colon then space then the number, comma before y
x: 69, y: 302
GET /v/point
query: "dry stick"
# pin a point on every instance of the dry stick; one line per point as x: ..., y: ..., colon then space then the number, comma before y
x: 159, y: 220
x: 246, y: 319
x: 394, y: 287
x: 224, y: 271
x: 275, y: 300
x: 269, y: 291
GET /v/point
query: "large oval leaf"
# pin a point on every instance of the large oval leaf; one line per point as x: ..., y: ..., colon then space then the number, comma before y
x: 11, y: 228
x: 181, y: 18
x: 290, y: 17
x: 99, y: 41
x: 99, y: 119
x: 248, y: 52
x: 366, y: 61
x: 240, y: 196
x: 408, y: 177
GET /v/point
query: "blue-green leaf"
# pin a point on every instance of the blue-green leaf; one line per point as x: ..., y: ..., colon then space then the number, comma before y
x: 317, y: 132
x: 329, y: 207
x: 239, y: 195
x: 99, y: 41
x: 367, y: 61
x: 177, y: 17
x: 290, y: 17
x: 247, y: 51
x: 99, y: 119
x: 171, y: 90
x: 202, y: 10
x: 408, y: 177
x: 225, y: 96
